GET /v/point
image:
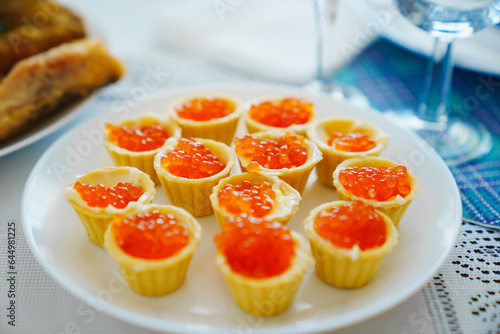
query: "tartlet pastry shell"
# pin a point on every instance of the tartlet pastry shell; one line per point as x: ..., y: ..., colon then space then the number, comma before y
x: 254, y: 126
x: 285, y: 205
x: 141, y: 160
x: 219, y: 129
x: 95, y: 219
x: 156, y: 277
x: 194, y: 194
x: 347, y: 268
x: 320, y: 132
x: 271, y: 296
x: 395, y: 208
x: 297, y: 176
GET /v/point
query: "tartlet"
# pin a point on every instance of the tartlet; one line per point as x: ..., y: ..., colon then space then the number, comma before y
x: 194, y: 194
x: 96, y: 219
x: 154, y: 276
x: 142, y: 160
x: 302, y: 120
x: 284, y: 206
x: 295, y: 176
x: 220, y: 129
x: 394, y: 207
x: 264, y: 296
x: 321, y: 131
x: 347, y: 267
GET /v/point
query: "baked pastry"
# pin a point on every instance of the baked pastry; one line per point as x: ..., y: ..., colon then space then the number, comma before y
x: 279, y: 113
x: 263, y: 264
x: 255, y: 195
x: 188, y: 170
x: 153, y: 246
x: 283, y: 154
x: 100, y: 194
x: 340, y: 139
x: 39, y: 85
x: 384, y: 184
x: 212, y: 116
x: 135, y: 141
x: 349, y: 241
x: 32, y: 26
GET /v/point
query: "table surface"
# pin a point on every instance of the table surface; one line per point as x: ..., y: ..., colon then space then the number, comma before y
x: 463, y: 296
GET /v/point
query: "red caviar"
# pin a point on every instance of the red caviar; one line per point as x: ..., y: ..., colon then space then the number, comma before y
x: 377, y: 183
x: 192, y: 160
x: 351, y: 224
x: 205, y: 109
x: 351, y: 142
x: 101, y: 196
x: 140, y: 139
x: 282, y: 114
x: 150, y: 235
x: 254, y: 199
x: 283, y: 152
x: 256, y: 248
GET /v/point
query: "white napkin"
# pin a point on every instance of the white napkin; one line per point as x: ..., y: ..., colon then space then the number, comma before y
x: 272, y: 39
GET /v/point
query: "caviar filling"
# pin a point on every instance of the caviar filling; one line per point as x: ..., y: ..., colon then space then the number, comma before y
x: 284, y: 152
x: 377, y: 183
x: 256, y: 248
x: 202, y: 109
x: 351, y: 142
x: 151, y: 235
x: 254, y: 199
x: 351, y: 224
x: 100, y: 196
x: 283, y: 113
x: 192, y: 160
x: 138, y: 139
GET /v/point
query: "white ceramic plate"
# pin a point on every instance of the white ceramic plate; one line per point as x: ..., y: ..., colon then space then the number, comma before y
x: 203, y: 304
x: 54, y: 121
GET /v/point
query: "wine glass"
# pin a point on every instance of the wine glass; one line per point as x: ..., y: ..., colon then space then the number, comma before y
x: 456, y: 140
x: 325, y: 12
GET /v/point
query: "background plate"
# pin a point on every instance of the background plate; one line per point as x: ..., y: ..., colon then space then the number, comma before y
x: 56, y: 120
x: 203, y: 304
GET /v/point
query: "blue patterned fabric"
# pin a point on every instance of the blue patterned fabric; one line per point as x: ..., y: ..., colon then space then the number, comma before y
x: 392, y: 78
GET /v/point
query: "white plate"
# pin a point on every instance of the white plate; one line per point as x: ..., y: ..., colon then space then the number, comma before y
x: 44, y: 127
x: 203, y: 304
x: 56, y: 120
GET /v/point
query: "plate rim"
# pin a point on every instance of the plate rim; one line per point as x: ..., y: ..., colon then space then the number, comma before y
x: 124, y: 315
x: 68, y: 112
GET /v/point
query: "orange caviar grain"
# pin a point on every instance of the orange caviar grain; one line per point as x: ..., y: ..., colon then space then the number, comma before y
x: 283, y: 152
x: 254, y: 199
x: 192, y: 160
x: 351, y: 142
x: 351, y: 224
x: 150, y: 235
x: 256, y: 248
x: 377, y: 183
x: 143, y: 138
x: 282, y: 113
x: 101, y: 196
x: 205, y: 109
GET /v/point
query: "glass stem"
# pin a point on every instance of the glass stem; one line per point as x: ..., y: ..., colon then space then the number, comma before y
x: 437, y: 84
x: 325, y: 11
